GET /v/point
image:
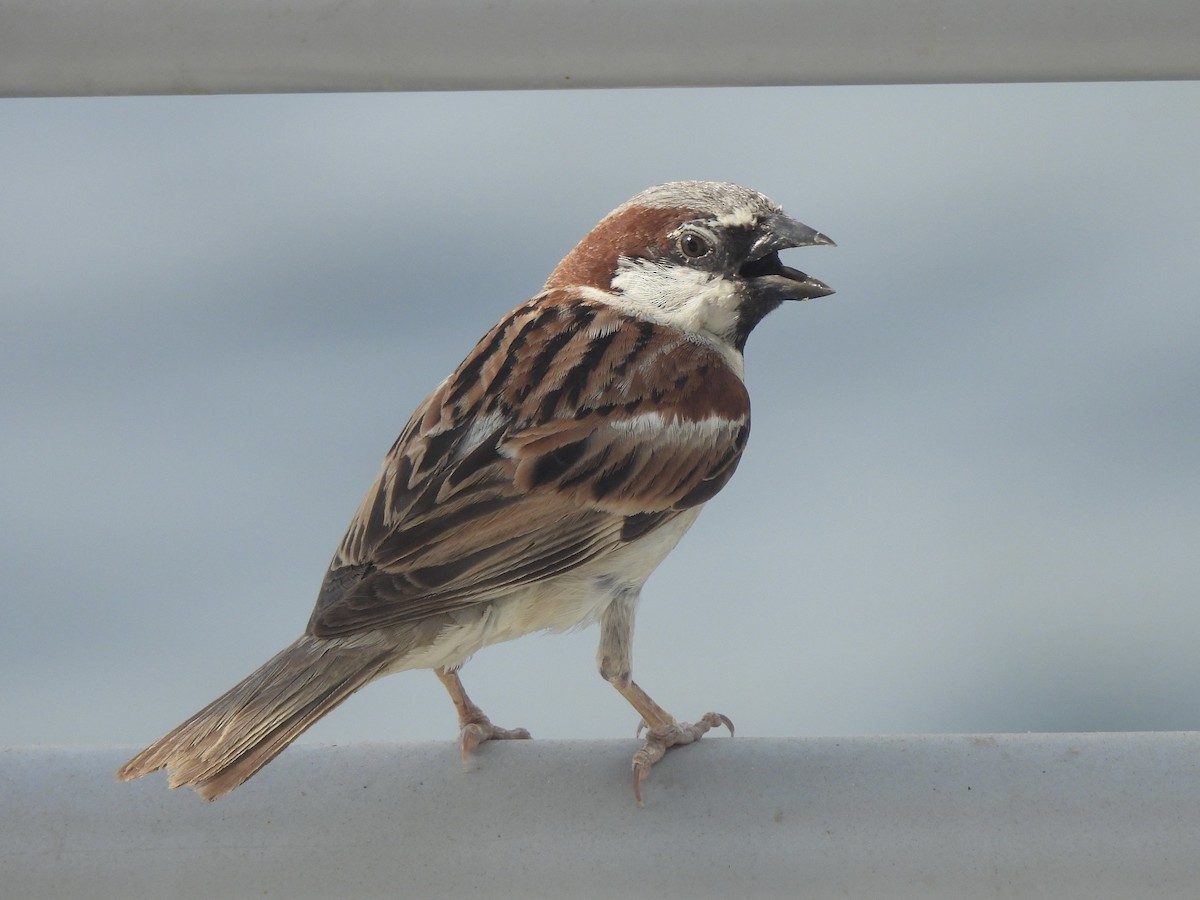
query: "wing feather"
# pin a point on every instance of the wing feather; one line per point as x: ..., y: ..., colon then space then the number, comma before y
x: 570, y: 430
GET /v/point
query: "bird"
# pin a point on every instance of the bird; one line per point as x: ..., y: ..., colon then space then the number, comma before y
x: 539, y: 485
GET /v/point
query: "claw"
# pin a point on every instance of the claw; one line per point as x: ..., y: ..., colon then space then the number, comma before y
x: 658, y: 741
x: 719, y: 720
x: 647, y: 756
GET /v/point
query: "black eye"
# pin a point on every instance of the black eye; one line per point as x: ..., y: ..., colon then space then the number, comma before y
x: 693, y: 246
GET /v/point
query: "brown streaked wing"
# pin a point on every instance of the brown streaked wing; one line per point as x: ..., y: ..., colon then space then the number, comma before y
x: 601, y: 421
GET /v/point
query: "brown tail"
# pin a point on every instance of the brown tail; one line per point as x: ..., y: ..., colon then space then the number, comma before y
x: 249, y: 725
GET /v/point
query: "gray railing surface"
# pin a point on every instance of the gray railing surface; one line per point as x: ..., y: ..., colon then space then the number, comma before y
x: 67, y: 47
x: 949, y: 816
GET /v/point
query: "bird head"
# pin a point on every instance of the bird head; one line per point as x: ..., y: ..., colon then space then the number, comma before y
x: 701, y: 256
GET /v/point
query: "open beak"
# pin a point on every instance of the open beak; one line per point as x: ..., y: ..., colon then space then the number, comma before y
x: 772, y: 278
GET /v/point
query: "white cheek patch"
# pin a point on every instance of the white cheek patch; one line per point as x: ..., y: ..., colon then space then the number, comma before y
x: 692, y: 301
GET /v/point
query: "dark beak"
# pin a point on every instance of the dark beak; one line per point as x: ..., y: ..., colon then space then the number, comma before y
x: 772, y: 278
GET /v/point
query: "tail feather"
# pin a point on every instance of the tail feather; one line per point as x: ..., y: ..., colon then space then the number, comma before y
x: 241, y: 731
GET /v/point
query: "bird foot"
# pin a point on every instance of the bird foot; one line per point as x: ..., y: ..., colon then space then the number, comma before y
x: 659, y: 740
x: 479, y: 730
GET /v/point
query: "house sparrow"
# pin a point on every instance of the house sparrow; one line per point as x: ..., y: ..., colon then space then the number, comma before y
x: 539, y: 485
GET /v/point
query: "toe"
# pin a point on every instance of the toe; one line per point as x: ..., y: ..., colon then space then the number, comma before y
x: 510, y: 734
x: 659, y: 740
x: 475, y: 733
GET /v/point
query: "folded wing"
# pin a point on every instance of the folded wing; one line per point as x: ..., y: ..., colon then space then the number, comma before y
x: 524, y: 465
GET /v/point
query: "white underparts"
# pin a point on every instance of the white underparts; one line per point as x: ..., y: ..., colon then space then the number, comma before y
x: 574, y: 598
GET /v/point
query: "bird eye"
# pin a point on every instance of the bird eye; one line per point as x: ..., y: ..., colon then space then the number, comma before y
x: 693, y: 246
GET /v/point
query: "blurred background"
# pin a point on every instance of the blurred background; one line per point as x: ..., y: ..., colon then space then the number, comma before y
x: 971, y: 500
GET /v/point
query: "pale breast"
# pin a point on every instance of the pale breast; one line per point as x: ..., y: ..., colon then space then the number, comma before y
x: 557, y: 604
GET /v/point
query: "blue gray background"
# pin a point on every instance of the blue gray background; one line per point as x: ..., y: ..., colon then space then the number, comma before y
x: 971, y: 496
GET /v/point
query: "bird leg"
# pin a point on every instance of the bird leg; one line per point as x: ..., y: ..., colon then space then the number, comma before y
x: 662, y: 731
x: 476, y: 727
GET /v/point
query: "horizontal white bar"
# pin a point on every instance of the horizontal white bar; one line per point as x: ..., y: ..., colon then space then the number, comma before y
x: 1056, y: 816
x: 87, y: 47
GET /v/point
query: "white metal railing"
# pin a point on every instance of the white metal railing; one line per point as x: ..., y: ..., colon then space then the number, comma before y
x: 68, y: 47
x: 1057, y: 816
